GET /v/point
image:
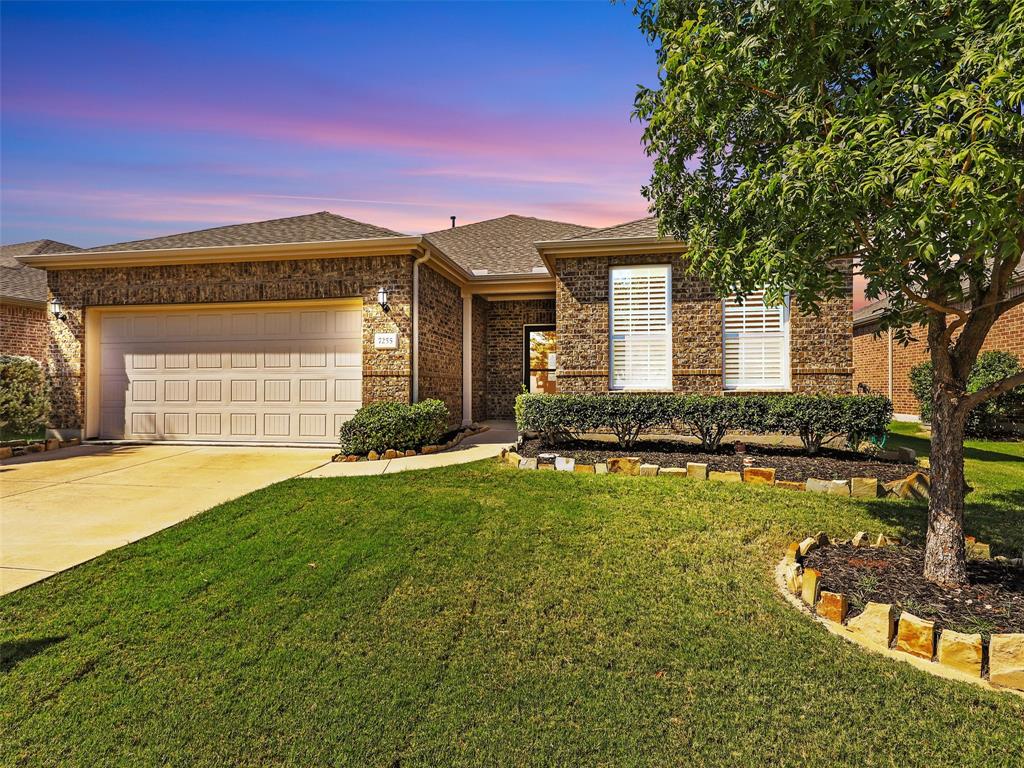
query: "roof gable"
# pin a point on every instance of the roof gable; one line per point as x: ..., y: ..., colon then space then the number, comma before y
x: 501, y: 246
x: 23, y: 283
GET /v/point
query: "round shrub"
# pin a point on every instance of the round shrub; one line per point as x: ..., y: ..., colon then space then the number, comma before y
x: 24, y: 396
x: 379, y: 426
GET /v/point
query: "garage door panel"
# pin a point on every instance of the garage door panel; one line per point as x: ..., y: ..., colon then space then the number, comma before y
x: 288, y: 374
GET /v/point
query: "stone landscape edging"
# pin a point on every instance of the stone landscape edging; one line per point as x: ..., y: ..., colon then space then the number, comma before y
x: 794, y: 593
x: 916, y: 485
x: 9, y: 451
x: 426, y: 450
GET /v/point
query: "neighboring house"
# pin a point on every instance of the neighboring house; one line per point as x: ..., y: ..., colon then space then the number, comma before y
x: 23, y: 299
x: 278, y: 331
x: 882, y: 365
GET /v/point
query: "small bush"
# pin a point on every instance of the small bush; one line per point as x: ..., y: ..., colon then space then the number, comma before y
x: 379, y: 426
x: 990, y: 417
x: 816, y: 419
x: 24, y: 396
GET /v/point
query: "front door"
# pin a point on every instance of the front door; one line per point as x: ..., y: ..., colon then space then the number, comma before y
x: 540, y: 354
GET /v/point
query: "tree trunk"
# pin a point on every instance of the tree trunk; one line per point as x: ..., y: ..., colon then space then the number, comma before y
x: 944, y: 555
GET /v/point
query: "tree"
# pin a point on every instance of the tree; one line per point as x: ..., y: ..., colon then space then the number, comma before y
x: 790, y: 138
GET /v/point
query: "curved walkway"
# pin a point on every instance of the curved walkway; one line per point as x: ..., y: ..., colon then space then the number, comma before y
x: 485, y: 445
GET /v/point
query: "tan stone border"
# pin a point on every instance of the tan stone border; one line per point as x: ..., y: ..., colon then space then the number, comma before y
x: 426, y: 450
x: 916, y: 485
x: 957, y: 656
x: 36, y: 446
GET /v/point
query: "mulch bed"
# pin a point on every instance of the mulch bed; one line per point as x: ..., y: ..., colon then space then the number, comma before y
x: 789, y: 463
x: 993, y: 602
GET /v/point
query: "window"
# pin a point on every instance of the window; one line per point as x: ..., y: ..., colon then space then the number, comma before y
x: 640, y: 325
x: 755, y: 344
x: 540, y: 355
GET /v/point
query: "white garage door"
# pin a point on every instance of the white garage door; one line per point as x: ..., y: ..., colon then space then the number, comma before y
x: 271, y: 374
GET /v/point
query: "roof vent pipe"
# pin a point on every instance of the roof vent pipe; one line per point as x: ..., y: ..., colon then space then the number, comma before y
x: 453, y: 222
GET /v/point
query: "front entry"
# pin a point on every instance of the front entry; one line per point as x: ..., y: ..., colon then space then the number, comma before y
x: 540, y: 359
x: 286, y: 372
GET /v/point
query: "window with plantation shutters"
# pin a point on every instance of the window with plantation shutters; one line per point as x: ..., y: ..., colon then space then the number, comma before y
x: 755, y: 344
x: 641, y: 327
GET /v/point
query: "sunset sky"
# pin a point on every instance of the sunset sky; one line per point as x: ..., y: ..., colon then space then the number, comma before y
x: 124, y: 121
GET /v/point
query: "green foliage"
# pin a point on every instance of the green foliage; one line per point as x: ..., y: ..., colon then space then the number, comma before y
x: 790, y: 136
x: 24, y: 395
x: 989, y: 417
x: 379, y: 426
x: 816, y: 419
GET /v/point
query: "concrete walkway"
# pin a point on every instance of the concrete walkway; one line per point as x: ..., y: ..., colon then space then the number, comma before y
x: 486, y: 445
x: 61, y: 508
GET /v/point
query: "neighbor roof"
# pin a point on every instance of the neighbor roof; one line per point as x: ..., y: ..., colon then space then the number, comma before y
x: 502, y: 246
x: 647, y: 227
x: 309, y: 228
x: 23, y: 283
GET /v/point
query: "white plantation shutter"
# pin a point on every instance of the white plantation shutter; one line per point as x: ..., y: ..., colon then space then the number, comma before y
x: 755, y: 344
x: 641, y: 327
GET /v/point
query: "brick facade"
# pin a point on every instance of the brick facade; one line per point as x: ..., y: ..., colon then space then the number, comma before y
x: 871, y: 357
x: 23, y: 331
x: 505, y: 321
x: 440, y: 344
x: 386, y: 373
x: 481, y: 374
x: 821, y: 349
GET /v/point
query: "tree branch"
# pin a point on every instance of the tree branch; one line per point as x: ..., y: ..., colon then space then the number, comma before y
x: 986, y: 393
x: 933, y: 305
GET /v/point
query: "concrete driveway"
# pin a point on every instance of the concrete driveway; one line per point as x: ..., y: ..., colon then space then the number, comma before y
x: 61, y: 508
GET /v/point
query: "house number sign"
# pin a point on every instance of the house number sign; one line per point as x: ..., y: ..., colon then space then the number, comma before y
x: 385, y: 341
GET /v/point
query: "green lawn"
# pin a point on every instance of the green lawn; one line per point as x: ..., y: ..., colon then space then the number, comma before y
x: 476, y: 615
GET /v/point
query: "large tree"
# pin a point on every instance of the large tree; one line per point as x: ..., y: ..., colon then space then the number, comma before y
x: 792, y: 137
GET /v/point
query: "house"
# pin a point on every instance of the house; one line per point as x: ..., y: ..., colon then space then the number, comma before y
x: 882, y: 365
x: 23, y: 298
x: 279, y: 330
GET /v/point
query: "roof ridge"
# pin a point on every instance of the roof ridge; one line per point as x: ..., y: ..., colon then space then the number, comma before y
x: 510, y: 216
x: 598, y: 230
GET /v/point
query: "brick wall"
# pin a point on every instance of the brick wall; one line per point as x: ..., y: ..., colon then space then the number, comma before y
x: 505, y: 321
x: 386, y: 373
x: 23, y: 331
x: 481, y: 374
x: 821, y: 346
x: 871, y: 358
x: 440, y: 345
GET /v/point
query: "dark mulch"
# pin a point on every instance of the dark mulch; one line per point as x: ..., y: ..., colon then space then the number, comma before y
x: 789, y: 463
x: 993, y: 602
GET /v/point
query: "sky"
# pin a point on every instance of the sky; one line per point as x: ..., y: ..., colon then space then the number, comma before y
x: 123, y: 121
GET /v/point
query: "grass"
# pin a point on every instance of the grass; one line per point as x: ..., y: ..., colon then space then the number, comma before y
x: 476, y: 615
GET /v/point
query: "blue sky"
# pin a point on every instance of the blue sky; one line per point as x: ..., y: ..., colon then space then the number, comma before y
x: 122, y: 121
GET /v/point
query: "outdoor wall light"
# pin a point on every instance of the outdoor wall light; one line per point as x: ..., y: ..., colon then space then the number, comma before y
x: 57, y: 309
x: 382, y: 299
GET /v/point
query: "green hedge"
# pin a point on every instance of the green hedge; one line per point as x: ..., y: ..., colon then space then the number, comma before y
x: 990, y: 417
x: 24, y: 396
x: 815, y: 419
x: 379, y: 426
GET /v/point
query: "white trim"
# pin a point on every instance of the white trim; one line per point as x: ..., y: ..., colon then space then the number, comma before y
x: 661, y: 385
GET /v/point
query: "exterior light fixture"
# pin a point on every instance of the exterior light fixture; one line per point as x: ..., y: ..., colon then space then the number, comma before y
x: 382, y: 299
x: 57, y: 309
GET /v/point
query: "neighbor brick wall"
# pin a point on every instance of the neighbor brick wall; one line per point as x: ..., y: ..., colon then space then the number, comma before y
x: 481, y: 374
x: 440, y: 345
x: 821, y: 348
x: 386, y: 373
x: 871, y: 358
x: 23, y: 331
x: 505, y: 321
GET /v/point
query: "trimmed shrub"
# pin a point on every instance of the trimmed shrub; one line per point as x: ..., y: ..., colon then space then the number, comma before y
x: 379, y: 426
x: 816, y: 419
x: 990, y: 417
x: 24, y: 396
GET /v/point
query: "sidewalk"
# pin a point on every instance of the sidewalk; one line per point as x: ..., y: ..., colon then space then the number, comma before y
x: 486, y: 445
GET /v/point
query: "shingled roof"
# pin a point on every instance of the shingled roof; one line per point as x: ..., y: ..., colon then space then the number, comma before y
x: 646, y: 227
x: 502, y: 246
x: 22, y: 283
x: 309, y: 228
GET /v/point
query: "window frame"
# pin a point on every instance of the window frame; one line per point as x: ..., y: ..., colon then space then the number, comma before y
x: 785, y: 365
x: 660, y: 386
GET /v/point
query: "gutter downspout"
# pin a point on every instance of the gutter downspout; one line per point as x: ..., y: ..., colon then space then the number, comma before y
x: 415, y: 362
x: 889, y: 367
